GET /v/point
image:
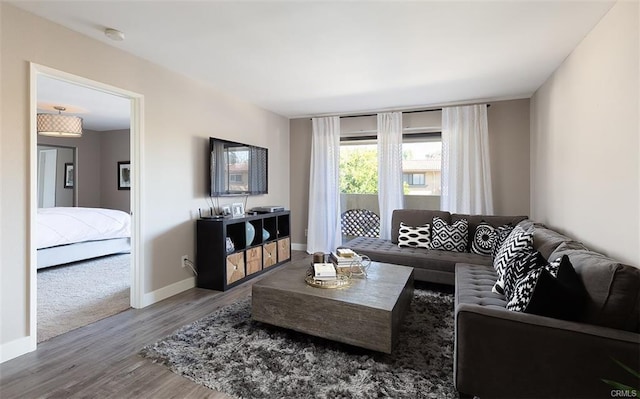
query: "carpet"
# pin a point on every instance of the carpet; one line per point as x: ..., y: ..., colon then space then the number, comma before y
x: 228, y: 352
x: 75, y: 295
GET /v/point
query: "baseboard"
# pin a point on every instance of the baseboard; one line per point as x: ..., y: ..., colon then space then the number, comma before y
x: 298, y: 247
x: 15, y: 348
x: 170, y: 290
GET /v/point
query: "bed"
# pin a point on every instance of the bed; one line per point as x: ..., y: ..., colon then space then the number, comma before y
x: 65, y: 234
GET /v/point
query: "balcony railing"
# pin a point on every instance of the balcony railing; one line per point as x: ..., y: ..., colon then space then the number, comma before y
x: 369, y: 202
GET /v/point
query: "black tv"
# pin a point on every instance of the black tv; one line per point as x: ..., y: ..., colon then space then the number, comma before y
x: 237, y: 168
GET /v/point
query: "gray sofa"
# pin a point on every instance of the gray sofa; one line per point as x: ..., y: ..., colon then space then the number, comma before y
x: 429, y: 265
x: 501, y: 353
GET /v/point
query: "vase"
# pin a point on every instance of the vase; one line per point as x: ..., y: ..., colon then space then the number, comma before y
x: 251, y: 233
x: 265, y: 235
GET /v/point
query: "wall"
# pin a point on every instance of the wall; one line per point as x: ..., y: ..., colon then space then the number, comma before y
x: 584, y: 140
x: 114, y: 147
x: 179, y: 116
x: 88, y: 165
x: 509, y: 147
x: 64, y: 155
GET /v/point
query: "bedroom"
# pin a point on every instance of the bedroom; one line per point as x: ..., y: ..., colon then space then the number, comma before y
x: 83, y: 218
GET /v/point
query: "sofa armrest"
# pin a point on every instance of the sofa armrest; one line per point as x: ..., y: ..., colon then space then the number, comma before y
x: 499, y: 353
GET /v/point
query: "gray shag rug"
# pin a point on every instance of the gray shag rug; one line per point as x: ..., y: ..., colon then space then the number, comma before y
x: 228, y: 352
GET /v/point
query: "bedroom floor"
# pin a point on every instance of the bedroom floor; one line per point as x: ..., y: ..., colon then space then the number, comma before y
x: 80, y: 293
x: 101, y: 359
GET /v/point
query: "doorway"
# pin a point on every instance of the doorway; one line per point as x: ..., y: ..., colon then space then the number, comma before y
x: 71, y: 177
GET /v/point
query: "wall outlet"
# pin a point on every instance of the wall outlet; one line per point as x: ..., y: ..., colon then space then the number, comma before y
x: 183, y: 260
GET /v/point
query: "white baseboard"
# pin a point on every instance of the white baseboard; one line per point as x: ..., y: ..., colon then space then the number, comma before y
x: 298, y: 247
x: 15, y: 348
x: 170, y: 290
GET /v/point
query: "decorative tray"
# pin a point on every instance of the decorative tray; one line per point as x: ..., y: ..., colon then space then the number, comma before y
x: 340, y: 282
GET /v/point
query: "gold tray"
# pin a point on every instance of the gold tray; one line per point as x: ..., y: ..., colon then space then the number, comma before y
x: 340, y: 282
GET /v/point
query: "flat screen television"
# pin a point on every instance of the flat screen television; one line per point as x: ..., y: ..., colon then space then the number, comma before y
x: 237, y: 168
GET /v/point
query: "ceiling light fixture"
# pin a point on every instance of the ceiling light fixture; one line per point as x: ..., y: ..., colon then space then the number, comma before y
x: 58, y: 125
x: 114, y: 34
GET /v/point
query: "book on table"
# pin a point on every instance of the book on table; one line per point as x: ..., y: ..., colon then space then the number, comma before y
x: 344, y: 261
x: 324, y: 271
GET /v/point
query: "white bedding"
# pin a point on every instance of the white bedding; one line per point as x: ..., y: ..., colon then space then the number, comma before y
x: 61, y: 225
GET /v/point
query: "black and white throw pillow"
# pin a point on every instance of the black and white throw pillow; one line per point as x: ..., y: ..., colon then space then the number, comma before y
x: 452, y: 237
x: 414, y: 237
x: 518, y: 241
x: 502, y: 233
x: 483, y: 239
x: 519, y: 266
x: 540, y: 292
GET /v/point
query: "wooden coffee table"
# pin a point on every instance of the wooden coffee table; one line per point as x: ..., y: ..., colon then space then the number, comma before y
x: 367, y: 314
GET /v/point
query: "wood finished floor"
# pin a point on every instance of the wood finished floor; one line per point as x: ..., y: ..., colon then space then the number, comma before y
x: 100, y: 360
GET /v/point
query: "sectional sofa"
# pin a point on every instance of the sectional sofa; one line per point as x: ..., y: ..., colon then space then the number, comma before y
x: 503, y: 353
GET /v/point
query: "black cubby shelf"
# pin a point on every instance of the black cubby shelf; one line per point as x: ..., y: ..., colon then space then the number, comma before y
x: 219, y: 269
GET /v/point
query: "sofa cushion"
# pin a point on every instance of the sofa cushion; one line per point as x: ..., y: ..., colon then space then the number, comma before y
x: 613, y: 289
x: 450, y: 237
x: 493, y: 220
x: 540, y: 292
x: 380, y: 250
x: 414, y: 217
x: 483, y: 239
x: 414, y: 237
x: 518, y: 241
x: 546, y: 240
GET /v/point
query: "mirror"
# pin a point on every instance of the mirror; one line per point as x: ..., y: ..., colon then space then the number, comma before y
x: 56, y: 176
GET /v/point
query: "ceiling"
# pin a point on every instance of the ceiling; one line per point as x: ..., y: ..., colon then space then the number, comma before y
x: 301, y: 58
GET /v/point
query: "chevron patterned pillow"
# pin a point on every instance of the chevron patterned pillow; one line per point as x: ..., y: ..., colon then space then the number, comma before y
x: 519, y: 266
x: 450, y: 237
x: 518, y: 241
x: 502, y: 233
x: 414, y: 237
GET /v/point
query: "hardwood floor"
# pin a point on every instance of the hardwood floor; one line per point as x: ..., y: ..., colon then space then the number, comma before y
x: 100, y: 360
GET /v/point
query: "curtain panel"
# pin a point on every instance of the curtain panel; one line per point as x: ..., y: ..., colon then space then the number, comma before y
x: 390, y: 187
x: 324, y: 233
x: 466, y: 172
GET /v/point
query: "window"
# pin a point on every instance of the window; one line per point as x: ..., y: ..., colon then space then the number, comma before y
x: 422, y: 165
x: 413, y: 179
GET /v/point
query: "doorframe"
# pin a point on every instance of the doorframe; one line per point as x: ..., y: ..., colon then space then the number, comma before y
x: 136, y: 138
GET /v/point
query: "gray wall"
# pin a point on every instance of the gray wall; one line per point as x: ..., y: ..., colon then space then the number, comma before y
x: 509, y: 146
x: 584, y: 135
x: 114, y: 147
x: 98, y: 154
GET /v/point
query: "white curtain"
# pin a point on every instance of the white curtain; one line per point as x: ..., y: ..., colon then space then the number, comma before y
x: 390, y: 187
x: 324, y: 186
x: 466, y: 175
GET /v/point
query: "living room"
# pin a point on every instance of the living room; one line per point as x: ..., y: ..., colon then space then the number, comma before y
x: 579, y: 128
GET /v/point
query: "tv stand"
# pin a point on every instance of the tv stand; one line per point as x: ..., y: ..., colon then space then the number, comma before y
x: 220, y: 268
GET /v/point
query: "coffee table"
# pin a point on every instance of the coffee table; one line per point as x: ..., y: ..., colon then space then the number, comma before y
x: 367, y: 314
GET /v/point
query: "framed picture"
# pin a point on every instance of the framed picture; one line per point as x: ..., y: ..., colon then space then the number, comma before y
x: 68, y: 175
x: 226, y: 210
x: 237, y: 209
x: 124, y: 175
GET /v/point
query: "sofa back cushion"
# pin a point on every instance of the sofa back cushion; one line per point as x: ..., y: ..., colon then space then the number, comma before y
x: 414, y: 217
x: 613, y: 288
x: 546, y: 241
x: 495, y: 221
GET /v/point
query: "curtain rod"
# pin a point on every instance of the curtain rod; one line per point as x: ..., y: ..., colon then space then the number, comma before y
x: 404, y: 112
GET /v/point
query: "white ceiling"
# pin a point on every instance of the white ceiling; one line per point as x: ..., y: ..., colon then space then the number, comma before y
x: 301, y: 58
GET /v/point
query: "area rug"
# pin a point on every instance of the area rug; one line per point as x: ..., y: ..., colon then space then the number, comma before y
x: 75, y: 295
x: 228, y: 352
